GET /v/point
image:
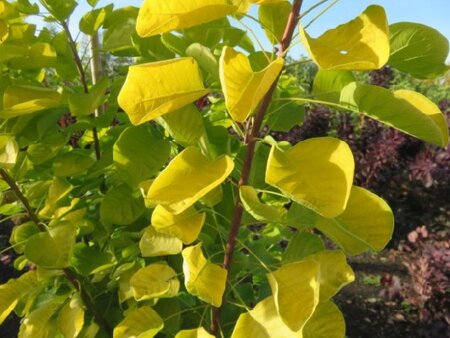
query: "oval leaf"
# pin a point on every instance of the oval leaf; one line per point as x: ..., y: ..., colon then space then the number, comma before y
x: 317, y: 173
x: 203, y: 278
x: 326, y: 322
x: 8, y: 152
x: 143, y: 322
x: 187, y: 178
x: 259, y: 210
x: 154, y: 89
x: 360, y: 44
x: 243, y: 88
x: 154, y: 243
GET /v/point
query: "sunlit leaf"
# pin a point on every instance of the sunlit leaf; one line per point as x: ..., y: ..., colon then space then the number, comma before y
x: 38, y: 55
x: 71, y: 318
x: 203, y: 278
x: 154, y: 243
x: 22, y: 100
x: 143, y: 323
x: 418, y: 50
x: 72, y: 164
x: 408, y: 111
x: 8, y: 152
x: 263, y: 322
x: 360, y: 44
x: 187, y: 178
x: 154, y: 89
x: 93, y: 20
x: 57, y: 191
x: 334, y: 272
x: 366, y: 224
x: 156, y: 17
x: 243, y: 88
x: 52, y: 249
x: 154, y: 281
x: 295, y: 289
x: 326, y: 322
x: 317, y: 173
x: 138, y: 154
x: 186, y: 225
x: 194, y: 333
x: 260, y: 211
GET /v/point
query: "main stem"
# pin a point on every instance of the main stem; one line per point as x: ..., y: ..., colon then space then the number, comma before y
x: 68, y: 273
x: 251, y: 139
x: 83, y: 79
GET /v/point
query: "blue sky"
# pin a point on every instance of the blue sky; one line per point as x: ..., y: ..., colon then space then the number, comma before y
x: 434, y: 13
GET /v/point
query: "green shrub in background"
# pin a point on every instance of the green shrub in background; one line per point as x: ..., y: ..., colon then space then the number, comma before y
x: 139, y: 196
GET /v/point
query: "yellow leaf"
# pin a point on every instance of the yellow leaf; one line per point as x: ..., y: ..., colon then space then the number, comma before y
x: 154, y: 281
x: 186, y: 225
x: 71, y: 318
x: 187, y: 178
x: 295, y: 289
x: 4, y: 31
x: 262, y: 322
x: 366, y: 224
x: 243, y: 88
x: 156, y: 17
x: 203, y: 278
x: 194, y: 333
x: 334, y: 272
x: 326, y: 322
x: 8, y: 152
x: 317, y: 173
x: 154, y: 243
x: 22, y: 100
x: 141, y: 323
x: 259, y: 210
x: 154, y: 89
x: 360, y: 44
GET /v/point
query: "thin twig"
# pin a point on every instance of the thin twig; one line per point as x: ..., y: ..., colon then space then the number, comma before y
x: 251, y: 139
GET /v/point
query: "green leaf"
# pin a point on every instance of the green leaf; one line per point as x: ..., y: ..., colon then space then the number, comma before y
x: 154, y: 89
x: 405, y: 110
x: 72, y: 164
x: 154, y: 281
x: 52, y: 249
x: 186, y: 225
x: 39, y: 55
x: 71, y: 318
x: 244, y: 88
x: 360, y: 44
x: 302, y: 245
x: 260, y: 211
x: 328, y: 84
x: 138, y: 155
x: 203, y: 278
x: 91, y: 22
x: 61, y: 10
x: 205, y: 58
x: 154, y: 243
x: 22, y: 100
x: 121, y: 206
x: 82, y: 104
x: 157, y: 17
x: 143, y: 322
x: 184, y: 125
x: 274, y: 17
x: 320, y: 180
x: 58, y: 190
x: 326, y: 322
x: 418, y: 50
x: 295, y: 289
x: 88, y: 260
x: 366, y: 224
x: 8, y: 152
x: 4, y: 31
x: 187, y: 178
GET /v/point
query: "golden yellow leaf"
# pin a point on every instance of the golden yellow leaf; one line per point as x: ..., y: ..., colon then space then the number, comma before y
x: 156, y: 280
x: 194, y: 333
x: 71, y: 318
x: 203, y: 278
x: 244, y: 88
x: 154, y: 243
x: 142, y: 323
x: 360, y: 44
x: 187, y: 178
x: 186, y: 225
x: 154, y: 89
x: 317, y: 173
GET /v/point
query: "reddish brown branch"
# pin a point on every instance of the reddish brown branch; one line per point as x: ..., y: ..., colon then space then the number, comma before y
x: 251, y: 138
